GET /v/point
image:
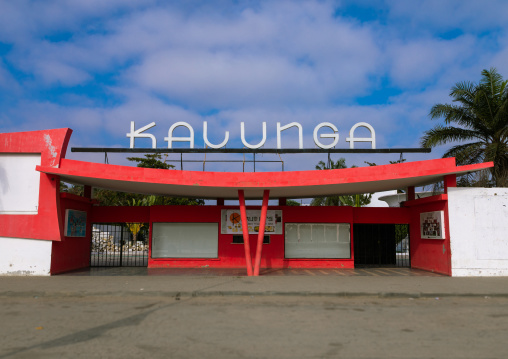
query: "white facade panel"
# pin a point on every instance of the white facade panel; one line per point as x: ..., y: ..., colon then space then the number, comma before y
x: 24, y: 257
x: 478, y: 219
x: 19, y: 183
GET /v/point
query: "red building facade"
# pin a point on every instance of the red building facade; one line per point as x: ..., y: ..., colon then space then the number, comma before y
x: 198, y: 236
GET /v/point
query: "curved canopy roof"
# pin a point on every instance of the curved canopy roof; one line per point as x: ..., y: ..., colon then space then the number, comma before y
x: 294, y: 184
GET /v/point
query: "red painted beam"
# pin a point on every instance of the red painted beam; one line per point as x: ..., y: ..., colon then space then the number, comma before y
x: 245, y: 230
x: 426, y: 200
x: 261, y: 233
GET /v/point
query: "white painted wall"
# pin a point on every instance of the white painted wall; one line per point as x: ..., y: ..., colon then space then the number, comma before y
x: 19, y: 183
x: 24, y: 257
x: 479, y: 231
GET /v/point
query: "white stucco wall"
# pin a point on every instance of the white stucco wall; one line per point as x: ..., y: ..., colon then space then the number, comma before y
x: 25, y: 256
x: 19, y: 183
x: 479, y: 231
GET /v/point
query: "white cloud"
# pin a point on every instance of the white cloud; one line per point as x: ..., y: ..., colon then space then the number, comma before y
x: 224, y: 79
x: 284, y: 52
x: 499, y: 59
x: 414, y: 63
x: 7, y: 81
x: 21, y: 20
x: 451, y: 14
x: 56, y: 72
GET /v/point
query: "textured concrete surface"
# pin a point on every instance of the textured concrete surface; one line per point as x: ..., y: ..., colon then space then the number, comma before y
x: 121, y: 314
x: 253, y: 327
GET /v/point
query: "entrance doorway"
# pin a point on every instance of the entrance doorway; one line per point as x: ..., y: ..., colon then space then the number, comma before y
x: 119, y: 245
x: 380, y: 245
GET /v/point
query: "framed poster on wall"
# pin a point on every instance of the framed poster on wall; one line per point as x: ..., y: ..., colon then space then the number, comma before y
x: 432, y: 225
x: 75, y: 223
x: 231, y: 221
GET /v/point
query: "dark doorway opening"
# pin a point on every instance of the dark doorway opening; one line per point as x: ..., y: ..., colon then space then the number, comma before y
x: 381, y: 245
x: 119, y: 245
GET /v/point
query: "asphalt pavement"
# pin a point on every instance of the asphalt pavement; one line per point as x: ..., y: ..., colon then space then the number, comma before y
x: 191, y: 313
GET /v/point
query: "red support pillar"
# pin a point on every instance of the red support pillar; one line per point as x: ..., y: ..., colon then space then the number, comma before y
x: 411, y: 193
x: 449, y: 181
x: 87, y: 192
x: 245, y: 230
x: 261, y: 233
x: 282, y: 201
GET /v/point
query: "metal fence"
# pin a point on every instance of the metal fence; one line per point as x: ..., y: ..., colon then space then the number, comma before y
x: 402, y: 245
x: 119, y: 245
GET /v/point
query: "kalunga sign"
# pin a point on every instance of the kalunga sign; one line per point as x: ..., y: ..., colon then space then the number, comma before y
x: 139, y: 133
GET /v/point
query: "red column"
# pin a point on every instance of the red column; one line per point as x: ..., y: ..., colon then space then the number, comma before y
x: 87, y: 192
x: 450, y: 181
x: 411, y: 193
x: 245, y: 230
x: 261, y: 233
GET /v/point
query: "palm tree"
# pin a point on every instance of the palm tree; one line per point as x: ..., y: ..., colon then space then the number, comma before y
x: 356, y: 200
x: 481, y: 119
x: 339, y: 164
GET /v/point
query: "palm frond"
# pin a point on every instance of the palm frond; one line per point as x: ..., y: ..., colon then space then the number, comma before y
x: 464, y: 92
x: 321, y: 166
x: 493, y: 80
x: 457, y: 114
x: 468, y: 153
x: 440, y: 135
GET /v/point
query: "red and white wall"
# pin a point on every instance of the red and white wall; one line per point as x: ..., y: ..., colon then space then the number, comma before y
x: 19, y: 196
x: 30, y: 218
x: 32, y: 212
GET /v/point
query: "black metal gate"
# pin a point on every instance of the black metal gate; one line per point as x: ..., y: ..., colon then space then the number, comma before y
x: 377, y: 245
x: 119, y: 245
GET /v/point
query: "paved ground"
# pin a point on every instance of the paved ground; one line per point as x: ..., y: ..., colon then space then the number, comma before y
x: 290, y: 316
x: 253, y: 327
x: 185, y: 282
x: 232, y: 272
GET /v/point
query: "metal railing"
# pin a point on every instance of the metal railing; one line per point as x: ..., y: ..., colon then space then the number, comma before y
x: 119, y: 245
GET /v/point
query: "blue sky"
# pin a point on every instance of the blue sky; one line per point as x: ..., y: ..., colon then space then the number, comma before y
x: 95, y: 65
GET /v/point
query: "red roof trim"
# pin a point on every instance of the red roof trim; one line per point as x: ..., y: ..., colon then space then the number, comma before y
x: 185, y: 183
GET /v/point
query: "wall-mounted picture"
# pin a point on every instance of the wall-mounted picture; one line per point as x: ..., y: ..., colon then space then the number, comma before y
x: 232, y: 221
x: 432, y: 225
x: 75, y: 223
